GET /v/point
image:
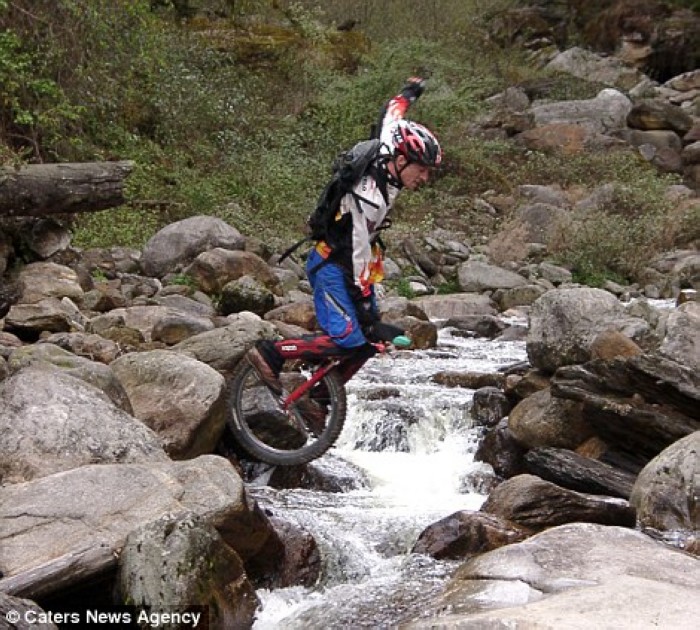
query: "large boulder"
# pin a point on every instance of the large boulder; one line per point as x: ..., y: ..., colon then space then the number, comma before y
x: 587, y: 65
x: 666, y: 491
x: 180, y: 561
x: 223, y: 347
x: 576, y: 576
x: 214, y: 269
x: 51, y: 422
x: 51, y: 357
x: 565, y: 322
x: 178, y: 244
x: 456, y: 305
x: 101, y: 504
x: 180, y: 398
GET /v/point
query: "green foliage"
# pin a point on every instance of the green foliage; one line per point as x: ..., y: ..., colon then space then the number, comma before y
x: 448, y: 287
x: 616, y: 240
x: 240, y: 118
x: 403, y: 289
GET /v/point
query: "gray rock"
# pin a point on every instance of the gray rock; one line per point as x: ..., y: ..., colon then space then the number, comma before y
x: 51, y: 422
x: 682, y: 341
x: 475, y: 276
x: 179, y: 561
x: 576, y: 576
x: 178, y: 244
x: 100, y: 504
x: 180, y: 398
x: 665, y: 493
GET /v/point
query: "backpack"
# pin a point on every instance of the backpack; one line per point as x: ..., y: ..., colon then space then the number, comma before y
x: 348, y: 168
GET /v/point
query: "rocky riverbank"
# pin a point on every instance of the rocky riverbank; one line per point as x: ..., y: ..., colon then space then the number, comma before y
x: 119, y: 482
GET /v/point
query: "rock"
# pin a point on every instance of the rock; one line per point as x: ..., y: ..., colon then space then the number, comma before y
x: 666, y: 490
x: 41, y: 280
x: 571, y: 577
x: 299, y: 563
x: 565, y: 322
x: 178, y: 561
x: 542, y: 420
x: 587, y: 65
x: 53, y: 422
x: 606, y: 112
x: 183, y: 400
x: 475, y: 276
x: 611, y: 344
x: 583, y: 474
x: 103, y: 503
x: 246, y: 294
x: 501, y: 451
x: 93, y: 347
x: 423, y: 334
x: 456, y: 305
x: 223, y: 347
x: 682, y: 340
x: 519, y: 296
x: 29, y: 320
x: 213, y: 269
x: 48, y: 356
x: 297, y: 313
x: 470, y: 380
x: 174, y: 327
x: 178, y: 244
x: 487, y: 326
x: 656, y: 114
x: 638, y: 406
x: 535, y: 504
x: 489, y: 405
x: 464, y: 534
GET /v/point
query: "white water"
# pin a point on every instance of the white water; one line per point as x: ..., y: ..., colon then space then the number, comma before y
x: 425, y: 472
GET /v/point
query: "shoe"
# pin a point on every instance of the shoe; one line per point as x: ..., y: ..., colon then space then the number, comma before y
x: 266, y: 373
x: 314, y: 413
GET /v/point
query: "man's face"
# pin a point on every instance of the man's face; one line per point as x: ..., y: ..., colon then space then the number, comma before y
x: 413, y: 175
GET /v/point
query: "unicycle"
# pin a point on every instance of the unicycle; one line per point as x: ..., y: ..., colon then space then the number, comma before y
x: 273, y: 428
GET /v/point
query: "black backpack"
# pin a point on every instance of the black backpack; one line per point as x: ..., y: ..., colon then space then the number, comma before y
x: 348, y: 168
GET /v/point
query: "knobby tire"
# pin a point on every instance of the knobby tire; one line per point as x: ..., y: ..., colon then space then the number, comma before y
x: 266, y: 432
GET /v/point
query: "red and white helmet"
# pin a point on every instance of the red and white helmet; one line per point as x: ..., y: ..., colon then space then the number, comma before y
x: 416, y: 143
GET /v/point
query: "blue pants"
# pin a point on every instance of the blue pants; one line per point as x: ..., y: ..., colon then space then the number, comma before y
x: 335, y: 310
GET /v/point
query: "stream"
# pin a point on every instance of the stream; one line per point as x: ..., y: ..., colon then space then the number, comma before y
x: 411, y: 445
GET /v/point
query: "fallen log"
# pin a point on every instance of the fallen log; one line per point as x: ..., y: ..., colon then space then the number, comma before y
x: 68, y: 570
x: 575, y: 472
x: 34, y: 190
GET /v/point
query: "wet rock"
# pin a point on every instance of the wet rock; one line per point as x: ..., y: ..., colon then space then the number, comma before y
x: 487, y: 326
x: 489, y: 405
x: 591, y: 569
x: 535, y: 504
x: 666, y: 490
x: 469, y: 380
x: 464, y: 534
x: 570, y: 470
x: 179, y: 561
x: 502, y: 451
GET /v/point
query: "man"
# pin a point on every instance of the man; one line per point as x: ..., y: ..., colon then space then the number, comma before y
x: 343, y: 275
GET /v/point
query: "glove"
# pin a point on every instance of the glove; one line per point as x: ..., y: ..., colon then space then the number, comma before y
x: 414, y: 88
x: 366, y: 312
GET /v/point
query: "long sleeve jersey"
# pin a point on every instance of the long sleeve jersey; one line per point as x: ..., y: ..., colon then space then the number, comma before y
x: 361, y: 214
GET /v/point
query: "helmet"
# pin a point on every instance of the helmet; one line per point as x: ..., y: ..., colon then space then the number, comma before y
x: 416, y: 143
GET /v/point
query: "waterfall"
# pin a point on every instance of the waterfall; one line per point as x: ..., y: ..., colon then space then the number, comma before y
x: 415, y: 442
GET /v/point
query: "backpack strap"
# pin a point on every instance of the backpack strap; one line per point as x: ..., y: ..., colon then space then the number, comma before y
x: 290, y: 250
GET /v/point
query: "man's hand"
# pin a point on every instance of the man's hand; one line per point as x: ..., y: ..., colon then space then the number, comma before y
x: 414, y: 87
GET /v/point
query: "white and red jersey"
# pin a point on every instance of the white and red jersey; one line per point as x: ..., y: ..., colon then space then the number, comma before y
x: 360, y: 215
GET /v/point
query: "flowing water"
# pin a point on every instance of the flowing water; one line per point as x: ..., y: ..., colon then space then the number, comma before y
x: 412, y: 443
